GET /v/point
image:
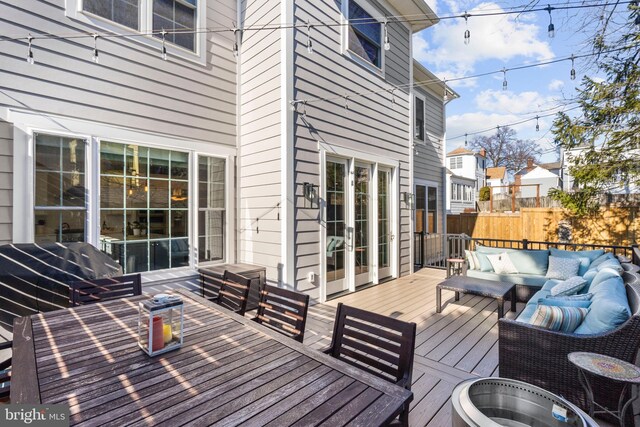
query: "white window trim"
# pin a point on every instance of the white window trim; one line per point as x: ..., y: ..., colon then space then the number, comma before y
x: 27, y: 123
x: 74, y: 11
x: 424, y: 119
x: 364, y: 4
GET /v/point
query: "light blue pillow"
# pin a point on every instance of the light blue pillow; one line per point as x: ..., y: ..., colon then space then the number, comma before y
x: 601, y: 259
x: 550, y: 284
x: 602, y: 276
x: 482, y: 251
x: 530, y: 262
x: 613, y: 264
x: 609, y: 308
x: 564, y: 303
x: 590, y: 275
x: 570, y: 286
x: 562, y: 268
x: 576, y: 297
x: 592, y: 255
x: 485, y: 264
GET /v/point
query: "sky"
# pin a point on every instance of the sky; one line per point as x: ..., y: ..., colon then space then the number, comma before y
x: 499, y: 42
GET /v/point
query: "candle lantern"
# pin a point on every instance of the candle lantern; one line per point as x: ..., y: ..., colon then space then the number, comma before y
x: 160, y: 324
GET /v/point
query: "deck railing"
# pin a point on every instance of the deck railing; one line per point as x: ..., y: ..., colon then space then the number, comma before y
x: 432, y: 250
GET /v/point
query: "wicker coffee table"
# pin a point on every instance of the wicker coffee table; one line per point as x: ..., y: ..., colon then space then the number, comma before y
x: 481, y: 287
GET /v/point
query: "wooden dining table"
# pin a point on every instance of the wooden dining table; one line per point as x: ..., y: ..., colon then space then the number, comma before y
x: 229, y: 371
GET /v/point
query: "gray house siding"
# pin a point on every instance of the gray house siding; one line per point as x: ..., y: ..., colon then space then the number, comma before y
x: 259, y: 180
x: 131, y: 86
x: 6, y: 181
x: 372, y: 124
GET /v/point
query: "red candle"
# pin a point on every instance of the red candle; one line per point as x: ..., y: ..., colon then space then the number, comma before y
x: 158, y: 334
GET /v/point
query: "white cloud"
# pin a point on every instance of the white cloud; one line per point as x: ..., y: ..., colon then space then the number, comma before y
x: 508, y: 102
x: 492, y: 38
x: 556, y: 85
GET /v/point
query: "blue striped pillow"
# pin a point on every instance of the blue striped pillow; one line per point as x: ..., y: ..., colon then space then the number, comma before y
x: 563, y: 319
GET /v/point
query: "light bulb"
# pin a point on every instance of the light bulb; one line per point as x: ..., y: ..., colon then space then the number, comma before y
x: 30, y: 59
x: 95, y: 58
x: 163, y: 48
x: 552, y: 31
x: 467, y: 37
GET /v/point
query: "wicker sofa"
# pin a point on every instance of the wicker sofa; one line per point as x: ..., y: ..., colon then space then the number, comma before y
x: 539, y: 356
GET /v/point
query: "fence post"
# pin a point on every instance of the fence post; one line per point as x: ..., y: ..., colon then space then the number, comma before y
x: 525, y: 244
x: 513, y: 201
x: 537, y: 195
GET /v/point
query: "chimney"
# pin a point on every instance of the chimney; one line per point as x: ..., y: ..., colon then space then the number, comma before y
x: 483, y: 152
x: 529, y: 163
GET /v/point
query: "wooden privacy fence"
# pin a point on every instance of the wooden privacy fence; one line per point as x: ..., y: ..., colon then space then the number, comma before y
x: 610, y: 226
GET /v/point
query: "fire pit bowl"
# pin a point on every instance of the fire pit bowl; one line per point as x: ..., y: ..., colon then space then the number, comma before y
x: 493, y: 402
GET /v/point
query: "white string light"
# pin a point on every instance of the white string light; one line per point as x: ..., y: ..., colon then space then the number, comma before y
x: 573, y: 70
x: 445, y: 96
x: 467, y: 33
x: 163, y: 48
x: 551, y: 29
x: 309, y: 42
x: 504, y: 79
x: 465, y: 140
x: 236, y: 44
x: 387, y: 43
x: 537, y: 123
x: 30, y: 59
x: 95, y: 57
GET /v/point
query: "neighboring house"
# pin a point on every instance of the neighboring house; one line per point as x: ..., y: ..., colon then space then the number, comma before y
x: 465, y: 163
x: 429, y: 150
x: 497, y: 177
x: 462, y: 194
x: 213, y: 155
x: 570, y: 184
x: 556, y: 168
x: 541, y: 177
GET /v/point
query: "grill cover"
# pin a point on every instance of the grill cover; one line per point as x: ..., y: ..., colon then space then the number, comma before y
x: 36, y: 277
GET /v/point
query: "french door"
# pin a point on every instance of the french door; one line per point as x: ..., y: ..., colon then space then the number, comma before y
x: 358, y: 231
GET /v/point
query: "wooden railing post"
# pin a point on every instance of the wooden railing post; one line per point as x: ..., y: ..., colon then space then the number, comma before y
x: 537, y: 195
x: 490, y: 200
x: 513, y: 201
x: 525, y: 244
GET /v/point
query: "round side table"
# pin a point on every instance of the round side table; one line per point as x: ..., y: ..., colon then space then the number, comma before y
x: 612, y: 369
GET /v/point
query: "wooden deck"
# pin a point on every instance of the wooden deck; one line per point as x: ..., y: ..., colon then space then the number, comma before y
x: 455, y: 345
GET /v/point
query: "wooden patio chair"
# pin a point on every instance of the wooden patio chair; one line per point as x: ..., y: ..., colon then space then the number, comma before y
x: 98, y: 290
x: 5, y: 374
x: 283, y: 310
x: 234, y: 292
x: 379, y: 344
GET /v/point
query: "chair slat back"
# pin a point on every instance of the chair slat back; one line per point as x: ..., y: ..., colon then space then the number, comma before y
x: 210, y: 285
x: 234, y: 292
x: 283, y: 310
x: 378, y: 344
x: 97, y: 290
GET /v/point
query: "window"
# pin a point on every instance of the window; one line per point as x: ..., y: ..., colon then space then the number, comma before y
x: 455, y: 162
x: 211, y: 208
x: 419, y: 119
x: 144, y: 204
x: 123, y: 12
x: 364, y: 34
x: 433, y: 210
x: 60, y: 193
x: 177, y: 17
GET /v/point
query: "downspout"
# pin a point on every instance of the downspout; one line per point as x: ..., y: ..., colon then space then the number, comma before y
x: 444, y: 163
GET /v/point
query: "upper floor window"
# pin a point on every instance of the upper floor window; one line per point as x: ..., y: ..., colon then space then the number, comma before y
x: 365, y: 34
x: 179, y: 18
x: 123, y: 12
x: 455, y: 162
x: 419, y: 119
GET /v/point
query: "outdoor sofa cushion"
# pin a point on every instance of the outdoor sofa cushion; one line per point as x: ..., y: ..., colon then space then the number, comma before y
x: 517, y: 279
x: 592, y: 255
x: 576, y: 297
x: 550, y: 283
x: 609, y: 307
x: 502, y: 264
x: 570, y: 286
x: 601, y: 259
x: 564, y: 319
x: 472, y: 259
x: 530, y: 262
x: 483, y: 251
x: 562, y: 268
x: 532, y: 304
x: 613, y: 264
x: 602, y: 276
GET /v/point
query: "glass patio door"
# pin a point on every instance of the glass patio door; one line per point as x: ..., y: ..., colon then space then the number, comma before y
x: 385, y: 234
x: 335, y: 197
x: 362, y: 224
